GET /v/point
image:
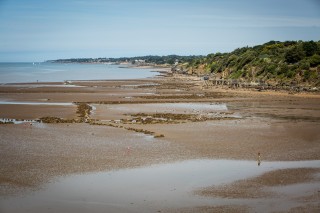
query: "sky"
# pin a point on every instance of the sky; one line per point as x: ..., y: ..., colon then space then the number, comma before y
x: 38, y: 30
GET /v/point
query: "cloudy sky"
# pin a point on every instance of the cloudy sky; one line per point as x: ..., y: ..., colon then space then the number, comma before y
x: 38, y: 30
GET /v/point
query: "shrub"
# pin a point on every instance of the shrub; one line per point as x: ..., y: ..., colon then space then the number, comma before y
x: 294, y: 55
x: 213, y: 67
x: 307, y: 74
x: 236, y: 74
x: 304, y: 65
x: 271, y: 68
x: 310, y: 48
x: 314, y: 60
x: 282, y: 69
x: 290, y: 74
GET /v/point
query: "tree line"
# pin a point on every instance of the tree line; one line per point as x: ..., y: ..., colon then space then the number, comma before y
x: 150, y: 59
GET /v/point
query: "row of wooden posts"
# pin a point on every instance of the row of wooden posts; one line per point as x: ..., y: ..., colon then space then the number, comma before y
x: 233, y: 83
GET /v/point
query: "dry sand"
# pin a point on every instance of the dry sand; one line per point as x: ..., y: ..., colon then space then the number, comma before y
x: 279, y: 125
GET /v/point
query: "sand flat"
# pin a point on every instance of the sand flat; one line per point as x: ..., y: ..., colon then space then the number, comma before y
x: 281, y: 126
x: 21, y: 111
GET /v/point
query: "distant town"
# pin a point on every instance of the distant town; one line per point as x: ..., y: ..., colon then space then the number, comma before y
x: 142, y: 60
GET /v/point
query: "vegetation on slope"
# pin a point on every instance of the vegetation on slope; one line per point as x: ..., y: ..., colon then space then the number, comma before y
x: 272, y: 62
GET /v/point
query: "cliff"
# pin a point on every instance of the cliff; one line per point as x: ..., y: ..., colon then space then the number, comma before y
x: 289, y: 62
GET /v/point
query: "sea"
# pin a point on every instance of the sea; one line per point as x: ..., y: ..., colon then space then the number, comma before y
x: 26, y: 72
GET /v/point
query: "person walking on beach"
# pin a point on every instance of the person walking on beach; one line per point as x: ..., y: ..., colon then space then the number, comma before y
x: 259, y: 159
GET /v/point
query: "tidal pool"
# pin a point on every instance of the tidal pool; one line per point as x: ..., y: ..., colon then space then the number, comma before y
x: 149, y: 189
x: 15, y: 121
x: 35, y: 103
x: 165, y: 108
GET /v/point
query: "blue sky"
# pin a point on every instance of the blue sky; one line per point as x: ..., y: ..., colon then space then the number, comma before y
x: 38, y: 30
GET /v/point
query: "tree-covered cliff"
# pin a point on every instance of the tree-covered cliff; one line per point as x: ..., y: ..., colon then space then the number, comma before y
x: 295, y: 62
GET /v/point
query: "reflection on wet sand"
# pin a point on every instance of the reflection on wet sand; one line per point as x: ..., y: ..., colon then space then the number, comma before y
x: 149, y: 189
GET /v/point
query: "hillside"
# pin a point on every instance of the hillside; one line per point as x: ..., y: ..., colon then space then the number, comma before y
x: 289, y: 62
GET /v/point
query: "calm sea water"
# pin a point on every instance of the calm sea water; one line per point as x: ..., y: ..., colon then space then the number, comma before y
x: 55, y: 72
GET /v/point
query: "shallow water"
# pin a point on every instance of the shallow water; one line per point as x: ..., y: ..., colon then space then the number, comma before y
x: 35, y: 103
x: 170, y: 107
x: 32, y: 85
x: 196, y: 106
x: 148, y: 189
x: 56, y: 72
x: 15, y: 121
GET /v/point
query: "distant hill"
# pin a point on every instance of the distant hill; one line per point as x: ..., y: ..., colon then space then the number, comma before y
x: 294, y: 62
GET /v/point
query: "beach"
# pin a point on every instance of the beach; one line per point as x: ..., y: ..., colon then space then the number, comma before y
x: 139, y: 123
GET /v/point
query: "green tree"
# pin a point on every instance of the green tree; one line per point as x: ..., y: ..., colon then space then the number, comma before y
x: 289, y: 43
x: 314, y: 60
x: 246, y: 58
x: 304, y: 65
x: 294, y: 55
x: 271, y: 68
x: 310, y: 48
x: 307, y: 74
x: 283, y: 68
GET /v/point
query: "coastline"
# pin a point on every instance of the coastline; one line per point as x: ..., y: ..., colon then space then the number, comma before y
x: 282, y: 126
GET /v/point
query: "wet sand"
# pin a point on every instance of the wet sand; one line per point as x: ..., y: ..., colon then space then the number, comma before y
x: 36, y: 111
x: 168, y: 187
x: 279, y: 125
x: 253, y: 187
